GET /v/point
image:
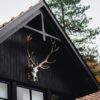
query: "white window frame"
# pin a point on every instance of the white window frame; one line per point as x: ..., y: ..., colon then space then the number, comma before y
x: 31, y: 90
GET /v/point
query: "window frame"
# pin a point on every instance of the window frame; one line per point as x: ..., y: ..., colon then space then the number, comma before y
x: 30, y: 88
x: 61, y: 95
x: 47, y: 93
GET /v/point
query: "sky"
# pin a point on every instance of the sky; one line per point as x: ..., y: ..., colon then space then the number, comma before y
x: 10, y: 8
x: 93, y: 12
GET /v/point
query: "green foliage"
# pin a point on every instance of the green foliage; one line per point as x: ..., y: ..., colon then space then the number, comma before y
x: 71, y: 15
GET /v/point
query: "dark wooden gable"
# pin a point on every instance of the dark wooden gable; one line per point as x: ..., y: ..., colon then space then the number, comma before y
x: 68, y: 75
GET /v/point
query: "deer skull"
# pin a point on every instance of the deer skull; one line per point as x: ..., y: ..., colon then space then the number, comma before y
x: 33, y: 66
x: 34, y: 74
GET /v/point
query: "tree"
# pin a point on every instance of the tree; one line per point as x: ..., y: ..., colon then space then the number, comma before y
x: 71, y: 15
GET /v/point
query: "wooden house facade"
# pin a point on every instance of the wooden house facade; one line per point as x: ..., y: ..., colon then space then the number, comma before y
x: 36, y: 40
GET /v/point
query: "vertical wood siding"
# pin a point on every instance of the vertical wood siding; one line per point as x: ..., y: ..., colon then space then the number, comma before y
x: 66, y: 75
x: 13, y: 62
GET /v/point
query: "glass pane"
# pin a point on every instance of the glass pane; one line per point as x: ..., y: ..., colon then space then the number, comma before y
x: 55, y: 97
x: 37, y: 95
x: 23, y: 94
x: 3, y: 91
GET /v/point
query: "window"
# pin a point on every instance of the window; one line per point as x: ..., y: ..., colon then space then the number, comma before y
x: 37, y: 95
x: 55, y: 97
x: 60, y: 96
x: 3, y: 91
x: 28, y: 94
x: 23, y: 94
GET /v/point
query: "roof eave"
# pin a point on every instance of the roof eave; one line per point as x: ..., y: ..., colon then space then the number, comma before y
x: 20, y: 21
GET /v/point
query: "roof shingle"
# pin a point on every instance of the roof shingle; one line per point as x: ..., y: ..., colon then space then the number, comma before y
x: 93, y: 96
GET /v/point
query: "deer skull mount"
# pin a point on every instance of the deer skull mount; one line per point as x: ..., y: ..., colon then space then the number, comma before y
x: 33, y: 65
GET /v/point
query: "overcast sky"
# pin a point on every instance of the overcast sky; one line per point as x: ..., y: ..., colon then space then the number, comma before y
x: 93, y: 12
x: 10, y: 8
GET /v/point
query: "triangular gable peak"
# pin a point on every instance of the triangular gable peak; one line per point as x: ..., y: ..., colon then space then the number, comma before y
x: 45, y: 21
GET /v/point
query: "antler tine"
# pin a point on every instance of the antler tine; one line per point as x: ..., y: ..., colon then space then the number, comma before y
x: 41, y: 65
x: 54, y: 48
x: 29, y: 38
x: 47, y: 67
x: 30, y: 57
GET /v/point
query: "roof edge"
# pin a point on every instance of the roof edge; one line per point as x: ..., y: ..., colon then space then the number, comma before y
x: 14, y: 25
x: 71, y: 44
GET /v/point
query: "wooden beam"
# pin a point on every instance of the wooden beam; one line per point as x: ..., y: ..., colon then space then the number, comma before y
x: 17, y: 24
x: 43, y: 27
x: 40, y: 32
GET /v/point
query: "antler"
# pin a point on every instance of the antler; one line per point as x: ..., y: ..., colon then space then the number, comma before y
x: 33, y: 65
x: 29, y: 38
x: 46, y: 62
